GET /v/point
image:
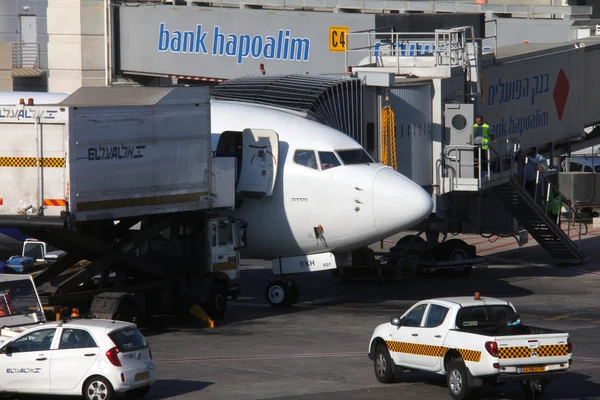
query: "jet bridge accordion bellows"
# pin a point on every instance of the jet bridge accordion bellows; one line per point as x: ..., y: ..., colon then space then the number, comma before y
x: 332, y: 101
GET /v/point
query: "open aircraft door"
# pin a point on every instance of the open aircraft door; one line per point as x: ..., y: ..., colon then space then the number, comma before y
x: 260, y: 156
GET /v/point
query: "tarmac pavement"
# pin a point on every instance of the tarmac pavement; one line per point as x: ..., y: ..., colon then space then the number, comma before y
x: 317, y: 349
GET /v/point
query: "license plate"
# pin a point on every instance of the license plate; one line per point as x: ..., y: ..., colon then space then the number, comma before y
x: 532, y: 369
x: 142, y: 376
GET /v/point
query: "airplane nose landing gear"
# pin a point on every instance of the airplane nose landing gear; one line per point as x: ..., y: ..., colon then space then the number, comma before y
x: 282, y: 292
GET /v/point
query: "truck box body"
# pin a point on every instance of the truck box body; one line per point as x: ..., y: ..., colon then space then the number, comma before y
x: 109, y: 153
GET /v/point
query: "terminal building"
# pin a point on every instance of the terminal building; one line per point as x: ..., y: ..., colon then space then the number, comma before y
x: 403, y: 78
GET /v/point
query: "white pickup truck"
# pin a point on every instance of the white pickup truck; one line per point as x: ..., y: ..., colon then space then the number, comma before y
x: 471, y: 340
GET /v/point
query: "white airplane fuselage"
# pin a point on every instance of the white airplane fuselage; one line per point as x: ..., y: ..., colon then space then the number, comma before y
x: 356, y: 201
x: 355, y: 204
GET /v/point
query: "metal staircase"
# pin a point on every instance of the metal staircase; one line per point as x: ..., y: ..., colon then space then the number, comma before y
x: 526, y: 203
x: 530, y: 211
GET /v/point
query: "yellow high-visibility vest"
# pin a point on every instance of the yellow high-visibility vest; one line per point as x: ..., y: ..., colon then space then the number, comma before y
x: 483, y: 132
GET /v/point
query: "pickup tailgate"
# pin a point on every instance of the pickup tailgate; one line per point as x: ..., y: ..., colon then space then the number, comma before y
x: 533, y: 350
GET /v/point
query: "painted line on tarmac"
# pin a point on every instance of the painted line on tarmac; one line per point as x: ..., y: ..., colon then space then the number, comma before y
x: 262, y: 357
x: 587, y: 359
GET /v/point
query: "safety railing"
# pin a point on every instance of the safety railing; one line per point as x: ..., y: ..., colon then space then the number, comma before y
x: 510, y: 160
x: 442, y: 48
x: 499, y: 162
x: 25, y: 55
x: 545, y: 195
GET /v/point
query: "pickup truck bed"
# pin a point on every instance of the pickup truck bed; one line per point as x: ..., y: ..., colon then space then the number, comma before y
x: 511, y: 330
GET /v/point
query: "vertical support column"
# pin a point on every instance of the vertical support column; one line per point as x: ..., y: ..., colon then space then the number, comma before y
x: 76, y: 44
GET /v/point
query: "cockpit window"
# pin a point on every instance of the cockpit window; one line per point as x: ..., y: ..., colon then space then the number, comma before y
x: 306, y: 158
x: 354, y: 156
x: 328, y: 160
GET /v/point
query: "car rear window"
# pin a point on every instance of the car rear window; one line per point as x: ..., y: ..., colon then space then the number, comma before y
x: 129, y: 339
x: 483, y: 316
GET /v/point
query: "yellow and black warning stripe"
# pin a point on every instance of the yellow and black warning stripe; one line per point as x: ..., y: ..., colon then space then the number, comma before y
x: 556, y: 350
x: 224, y: 266
x: 431, y: 351
x: 140, y: 201
x: 32, y: 162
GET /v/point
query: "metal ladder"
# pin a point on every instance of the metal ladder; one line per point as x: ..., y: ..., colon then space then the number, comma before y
x: 530, y: 211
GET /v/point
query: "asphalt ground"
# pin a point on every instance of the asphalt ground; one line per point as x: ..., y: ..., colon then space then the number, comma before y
x: 318, y: 348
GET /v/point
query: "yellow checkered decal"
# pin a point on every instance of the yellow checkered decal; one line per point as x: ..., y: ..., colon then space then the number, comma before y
x: 31, y: 162
x: 470, y: 355
x: 428, y: 350
x: 140, y: 201
x: 224, y: 266
x: 526, y: 352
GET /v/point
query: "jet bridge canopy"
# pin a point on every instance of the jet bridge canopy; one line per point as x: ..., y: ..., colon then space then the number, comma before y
x: 332, y: 101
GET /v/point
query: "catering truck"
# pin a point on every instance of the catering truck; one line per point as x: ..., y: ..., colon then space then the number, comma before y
x: 471, y: 340
x: 124, y: 178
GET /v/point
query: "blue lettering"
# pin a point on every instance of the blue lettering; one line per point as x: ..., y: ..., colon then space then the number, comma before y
x: 283, y: 46
x: 257, y: 46
x: 176, y: 42
x: 518, y: 89
x: 200, y: 38
x: 244, y: 48
x: 299, y: 44
x: 163, y: 37
x: 218, y: 42
x: 188, y: 41
x: 270, y: 48
x: 231, y: 45
x: 279, y: 42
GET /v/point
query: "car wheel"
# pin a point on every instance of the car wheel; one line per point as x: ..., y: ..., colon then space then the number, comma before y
x: 137, y: 393
x: 533, y: 389
x: 383, y: 365
x: 97, y: 388
x: 457, y: 381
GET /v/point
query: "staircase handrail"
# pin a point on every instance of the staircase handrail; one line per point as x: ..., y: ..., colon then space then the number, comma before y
x: 550, y: 186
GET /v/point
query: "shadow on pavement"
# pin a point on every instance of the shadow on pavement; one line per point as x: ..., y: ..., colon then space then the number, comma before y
x: 171, y: 388
x: 572, y: 386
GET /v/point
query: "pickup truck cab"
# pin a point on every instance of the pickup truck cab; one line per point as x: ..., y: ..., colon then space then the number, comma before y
x: 471, y: 340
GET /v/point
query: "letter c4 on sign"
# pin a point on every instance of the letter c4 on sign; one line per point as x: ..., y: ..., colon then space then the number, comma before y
x: 338, y: 38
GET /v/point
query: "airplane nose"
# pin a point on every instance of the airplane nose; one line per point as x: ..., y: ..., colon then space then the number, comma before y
x: 398, y: 202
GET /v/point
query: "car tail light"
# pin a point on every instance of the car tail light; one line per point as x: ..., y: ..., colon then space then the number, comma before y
x: 492, y: 348
x: 113, y: 357
x: 569, y: 345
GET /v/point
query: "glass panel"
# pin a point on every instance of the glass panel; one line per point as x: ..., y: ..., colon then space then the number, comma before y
x: 306, y: 158
x: 328, y: 160
x: 354, y: 156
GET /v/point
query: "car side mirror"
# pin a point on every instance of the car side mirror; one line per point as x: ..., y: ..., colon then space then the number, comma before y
x: 396, y: 321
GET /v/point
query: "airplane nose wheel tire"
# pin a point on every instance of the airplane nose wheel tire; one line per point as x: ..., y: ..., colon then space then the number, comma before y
x: 282, y: 294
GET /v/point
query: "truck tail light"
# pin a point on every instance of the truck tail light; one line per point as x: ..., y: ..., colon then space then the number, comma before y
x: 113, y: 357
x: 492, y: 348
x: 569, y: 345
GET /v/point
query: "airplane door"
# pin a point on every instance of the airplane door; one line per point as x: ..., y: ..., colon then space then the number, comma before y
x: 259, y: 162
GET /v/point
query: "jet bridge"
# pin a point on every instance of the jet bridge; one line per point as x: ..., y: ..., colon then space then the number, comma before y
x: 534, y: 97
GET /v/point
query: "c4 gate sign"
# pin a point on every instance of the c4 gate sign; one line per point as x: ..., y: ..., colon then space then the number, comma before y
x: 337, y: 38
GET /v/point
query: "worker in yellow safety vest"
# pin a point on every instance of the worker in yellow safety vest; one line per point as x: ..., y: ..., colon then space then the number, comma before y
x: 554, y: 206
x: 481, y: 136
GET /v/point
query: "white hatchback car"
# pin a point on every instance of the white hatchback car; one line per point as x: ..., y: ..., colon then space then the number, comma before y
x: 90, y: 357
